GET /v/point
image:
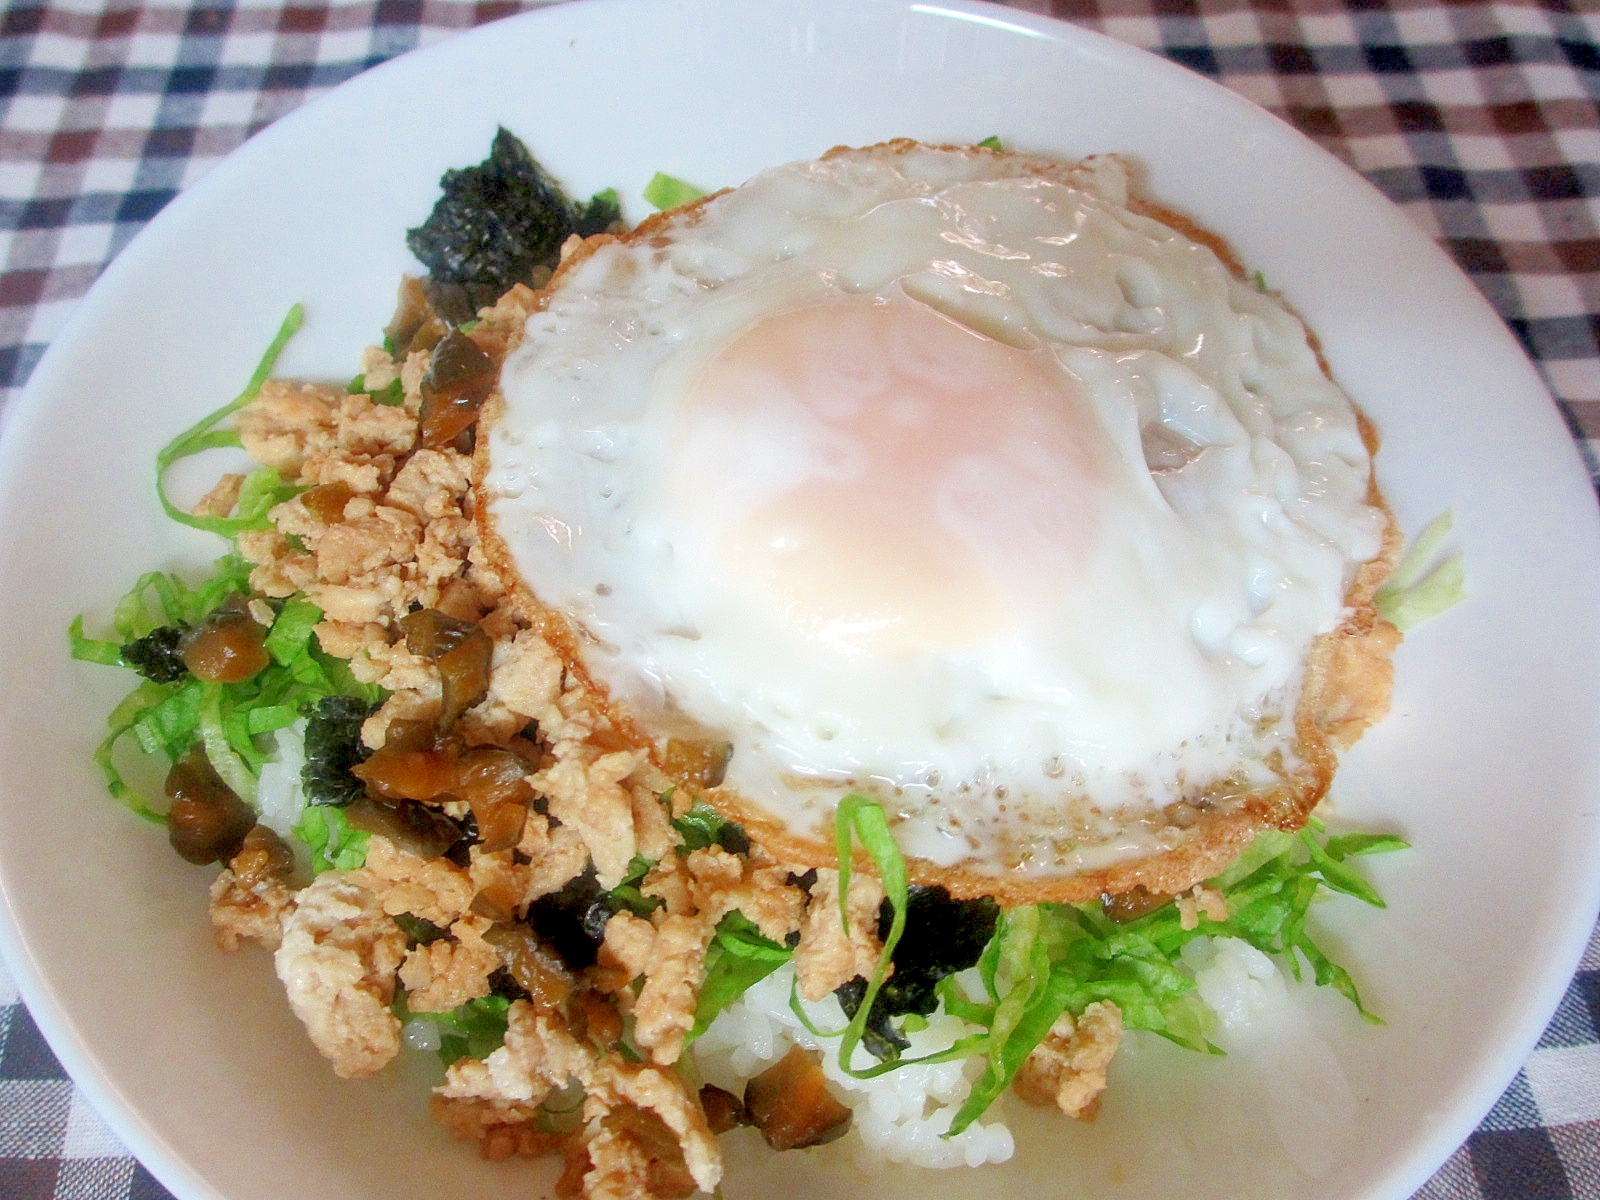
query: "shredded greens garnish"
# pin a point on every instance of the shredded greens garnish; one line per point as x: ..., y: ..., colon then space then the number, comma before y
x: 665, y: 191
x: 262, y: 487
x: 1426, y: 582
x: 859, y: 818
x: 1048, y: 959
x: 392, y: 394
x: 739, y: 958
x: 172, y: 711
x: 475, y: 1029
x: 334, y: 844
x: 704, y: 826
x: 626, y: 896
x: 228, y: 719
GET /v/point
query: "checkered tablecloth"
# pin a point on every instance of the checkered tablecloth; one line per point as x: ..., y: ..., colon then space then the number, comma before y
x: 1481, y: 120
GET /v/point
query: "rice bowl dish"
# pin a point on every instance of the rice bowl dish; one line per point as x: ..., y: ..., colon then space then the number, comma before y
x: 460, y: 827
x: 1381, y: 783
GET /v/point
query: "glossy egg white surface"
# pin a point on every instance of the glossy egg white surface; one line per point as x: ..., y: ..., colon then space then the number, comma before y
x: 938, y: 474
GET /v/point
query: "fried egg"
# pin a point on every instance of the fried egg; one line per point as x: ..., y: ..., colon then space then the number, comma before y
x: 947, y: 476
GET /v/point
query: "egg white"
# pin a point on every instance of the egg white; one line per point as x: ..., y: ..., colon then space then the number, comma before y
x: 1077, y: 585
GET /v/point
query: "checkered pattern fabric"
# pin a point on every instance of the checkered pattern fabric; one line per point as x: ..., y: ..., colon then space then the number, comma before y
x: 1481, y: 120
x: 1477, y: 119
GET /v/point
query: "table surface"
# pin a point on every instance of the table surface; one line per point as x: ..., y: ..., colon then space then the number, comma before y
x: 1481, y: 120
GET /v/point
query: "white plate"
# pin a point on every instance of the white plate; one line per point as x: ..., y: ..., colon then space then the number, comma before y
x: 1488, y: 763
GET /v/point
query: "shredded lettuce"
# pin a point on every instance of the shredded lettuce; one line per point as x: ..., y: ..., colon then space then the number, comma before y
x: 262, y: 488
x: 665, y: 191
x: 228, y: 720
x: 335, y: 845
x: 232, y: 721
x: 1427, y: 581
x: 392, y: 394
x: 703, y: 826
x: 1048, y: 959
x: 739, y: 958
x: 858, y: 818
x: 475, y: 1029
x: 626, y: 896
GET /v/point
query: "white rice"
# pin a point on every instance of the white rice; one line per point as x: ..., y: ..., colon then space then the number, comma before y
x: 900, y: 1116
x: 1237, y: 982
x: 280, y: 796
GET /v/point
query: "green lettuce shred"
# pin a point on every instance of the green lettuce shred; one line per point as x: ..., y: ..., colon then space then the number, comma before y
x: 232, y: 722
x: 665, y: 191
x: 475, y: 1029
x: 1048, y: 959
x: 334, y: 844
x: 858, y: 818
x: 229, y: 720
x: 262, y: 487
x: 1427, y: 582
x: 739, y: 957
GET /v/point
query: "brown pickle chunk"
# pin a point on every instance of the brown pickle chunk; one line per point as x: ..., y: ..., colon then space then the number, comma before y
x: 791, y: 1105
x: 462, y: 652
x: 228, y: 646
x: 459, y: 379
x: 206, y: 822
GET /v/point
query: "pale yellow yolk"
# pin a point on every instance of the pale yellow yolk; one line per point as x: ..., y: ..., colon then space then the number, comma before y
x: 917, y: 486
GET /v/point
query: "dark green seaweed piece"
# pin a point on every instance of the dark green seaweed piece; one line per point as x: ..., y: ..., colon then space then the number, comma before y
x: 942, y: 936
x: 572, y: 920
x: 156, y: 656
x: 496, y: 224
x: 333, y: 746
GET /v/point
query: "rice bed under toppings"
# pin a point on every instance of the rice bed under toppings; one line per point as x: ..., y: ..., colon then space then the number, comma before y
x: 901, y: 1116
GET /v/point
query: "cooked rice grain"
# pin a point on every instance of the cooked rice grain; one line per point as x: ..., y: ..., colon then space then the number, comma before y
x: 900, y: 1117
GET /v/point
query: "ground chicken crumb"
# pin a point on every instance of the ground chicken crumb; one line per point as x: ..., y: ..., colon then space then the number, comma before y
x: 668, y: 950
x: 1199, y: 900
x: 540, y: 1055
x: 586, y: 794
x: 670, y: 956
x: 828, y: 954
x: 221, y: 499
x: 434, y: 889
x: 556, y: 853
x: 286, y: 423
x: 447, y: 973
x: 1068, y: 1069
x: 337, y: 961
x: 501, y: 1129
x: 250, y: 898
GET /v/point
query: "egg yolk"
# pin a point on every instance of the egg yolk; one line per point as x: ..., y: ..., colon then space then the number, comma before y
x: 886, y: 478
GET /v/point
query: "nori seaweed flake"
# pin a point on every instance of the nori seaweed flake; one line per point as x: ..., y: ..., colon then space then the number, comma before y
x: 572, y: 920
x: 156, y: 656
x: 333, y: 746
x: 942, y: 935
x: 499, y: 221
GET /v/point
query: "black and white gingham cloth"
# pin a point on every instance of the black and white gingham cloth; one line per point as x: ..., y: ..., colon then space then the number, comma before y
x: 1481, y: 120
